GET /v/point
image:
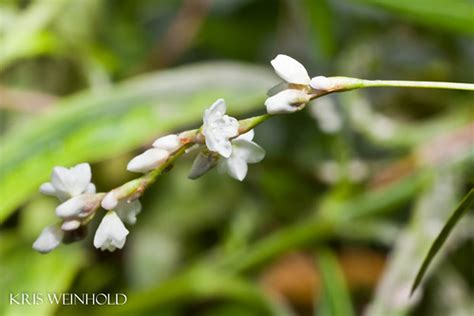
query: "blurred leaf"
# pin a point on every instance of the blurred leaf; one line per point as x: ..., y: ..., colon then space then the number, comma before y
x: 26, y: 35
x: 202, y: 282
x: 92, y: 127
x: 465, y: 205
x: 455, y: 15
x: 392, y: 296
x: 24, y: 271
x: 320, y: 19
x: 335, y: 299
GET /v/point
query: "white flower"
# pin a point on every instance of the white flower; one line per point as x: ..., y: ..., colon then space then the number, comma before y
x: 149, y: 160
x: 204, y: 162
x: 290, y: 70
x: 78, y: 206
x: 244, y: 151
x: 66, y: 183
x: 111, y: 233
x: 128, y: 211
x: 218, y: 128
x: 286, y: 101
x: 49, y: 239
x: 320, y: 83
x: 170, y: 143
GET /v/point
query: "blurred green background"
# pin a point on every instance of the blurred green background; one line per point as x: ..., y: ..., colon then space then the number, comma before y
x: 335, y: 221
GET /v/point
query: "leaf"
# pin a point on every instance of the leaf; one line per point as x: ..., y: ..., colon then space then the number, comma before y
x: 461, y: 209
x: 92, y: 127
x: 453, y: 16
x: 430, y: 211
x: 26, y: 36
x: 321, y: 22
x: 336, y: 299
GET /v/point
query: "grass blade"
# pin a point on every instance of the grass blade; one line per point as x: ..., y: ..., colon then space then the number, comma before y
x: 336, y: 299
x: 462, y: 208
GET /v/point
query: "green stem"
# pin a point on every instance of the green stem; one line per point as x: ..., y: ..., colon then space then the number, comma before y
x: 248, y: 124
x: 347, y: 83
x: 419, y: 84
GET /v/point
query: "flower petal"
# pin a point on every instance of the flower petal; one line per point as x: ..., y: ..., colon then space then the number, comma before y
x: 111, y: 233
x: 149, y: 160
x: 59, y: 178
x: 247, y: 136
x: 48, y: 189
x: 73, y: 181
x: 287, y: 101
x: 290, y: 70
x: 80, y: 178
x: 49, y: 239
x: 90, y: 188
x: 234, y: 166
x: 249, y: 151
x: 204, y: 162
x: 127, y: 211
x: 217, y: 109
x: 170, y: 143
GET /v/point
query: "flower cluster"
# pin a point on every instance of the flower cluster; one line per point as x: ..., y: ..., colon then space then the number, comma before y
x: 80, y: 202
x: 221, y: 142
x: 298, y: 88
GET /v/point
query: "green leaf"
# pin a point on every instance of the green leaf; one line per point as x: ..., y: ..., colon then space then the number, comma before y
x: 462, y: 209
x: 92, y: 127
x: 454, y: 15
x: 26, y: 37
x: 336, y: 299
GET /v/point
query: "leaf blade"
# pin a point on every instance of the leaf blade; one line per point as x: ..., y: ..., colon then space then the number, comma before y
x: 460, y: 210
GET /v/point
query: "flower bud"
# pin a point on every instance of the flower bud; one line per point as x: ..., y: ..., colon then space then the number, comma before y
x: 286, y: 101
x: 149, y: 160
x: 170, y: 143
x: 321, y: 83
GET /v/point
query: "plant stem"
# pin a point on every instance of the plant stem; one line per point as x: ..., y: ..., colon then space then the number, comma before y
x: 347, y: 83
x: 135, y: 188
x: 419, y: 84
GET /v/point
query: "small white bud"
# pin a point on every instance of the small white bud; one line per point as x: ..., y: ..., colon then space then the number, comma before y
x: 321, y: 83
x: 204, y: 162
x: 286, y: 101
x: 149, y: 160
x: 49, y: 239
x: 170, y: 143
x: 110, y: 200
x: 70, y: 225
x: 75, y: 206
x: 290, y: 70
